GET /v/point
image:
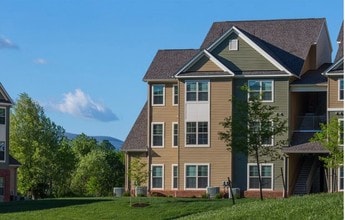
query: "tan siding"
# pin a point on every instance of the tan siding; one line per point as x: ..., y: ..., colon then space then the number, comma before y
x: 216, y: 155
x: 246, y: 58
x: 167, y: 114
x: 333, y: 96
x: 204, y: 64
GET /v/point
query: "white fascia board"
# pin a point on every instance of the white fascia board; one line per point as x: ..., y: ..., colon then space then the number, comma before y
x: 198, y: 57
x: 335, y: 65
x: 252, y: 44
x: 218, y: 63
x: 3, y: 90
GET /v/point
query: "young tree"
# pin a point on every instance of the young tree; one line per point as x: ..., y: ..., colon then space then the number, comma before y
x: 331, y: 137
x: 251, y: 129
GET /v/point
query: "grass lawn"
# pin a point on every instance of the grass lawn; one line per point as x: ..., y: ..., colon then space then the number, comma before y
x: 322, y: 206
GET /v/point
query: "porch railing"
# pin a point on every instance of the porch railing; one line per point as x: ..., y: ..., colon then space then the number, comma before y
x: 310, y: 122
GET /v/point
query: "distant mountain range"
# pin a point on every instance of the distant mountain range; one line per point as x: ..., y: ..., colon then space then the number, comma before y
x: 114, y: 141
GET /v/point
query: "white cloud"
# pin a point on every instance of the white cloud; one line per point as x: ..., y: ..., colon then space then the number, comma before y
x: 78, y: 103
x: 40, y: 61
x: 6, y: 43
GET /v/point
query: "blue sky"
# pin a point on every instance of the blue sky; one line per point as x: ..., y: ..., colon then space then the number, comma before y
x: 84, y: 60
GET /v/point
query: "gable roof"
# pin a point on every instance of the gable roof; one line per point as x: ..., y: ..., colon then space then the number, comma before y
x: 287, y: 41
x: 166, y: 63
x: 224, y: 71
x: 136, y: 139
x: 340, y: 40
x: 4, y: 97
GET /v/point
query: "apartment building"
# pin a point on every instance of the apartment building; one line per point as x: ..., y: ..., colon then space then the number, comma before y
x: 190, y: 91
x: 8, y: 165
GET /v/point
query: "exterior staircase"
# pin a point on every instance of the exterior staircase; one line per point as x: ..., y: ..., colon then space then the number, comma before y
x: 305, y: 176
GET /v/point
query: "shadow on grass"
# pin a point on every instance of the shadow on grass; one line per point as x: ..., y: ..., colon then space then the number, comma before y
x: 34, y: 205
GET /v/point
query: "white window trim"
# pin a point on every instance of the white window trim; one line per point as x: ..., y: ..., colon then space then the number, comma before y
x: 4, y: 160
x: 173, y: 95
x: 197, y: 145
x: 234, y: 43
x: 157, y: 123
x: 157, y: 165
x: 152, y: 95
x: 197, y: 91
x: 261, y: 164
x: 339, y: 89
x: 4, y: 116
x: 261, y: 80
x: 340, y: 190
x: 172, y: 176
x: 173, y: 135
x: 196, y: 164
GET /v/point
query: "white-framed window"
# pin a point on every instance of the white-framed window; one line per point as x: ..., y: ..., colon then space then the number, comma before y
x: 2, y: 150
x: 2, y: 186
x: 262, y: 89
x: 341, y: 89
x: 341, y: 178
x: 174, y: 134
x: 341, y: 131
x: 196, y: 176
x: 175, y: 94
x: 262, y: 128
x: 158, y: 95
x: 233, y: 44
x: 266, y: 176
x: 157, y: 136
x: 157, y: 176
x: 197, y: 91
x: 174, y: 176
x: 2, y: 116
x: 197, y: 133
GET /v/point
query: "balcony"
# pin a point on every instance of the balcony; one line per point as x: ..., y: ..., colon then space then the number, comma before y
x: 310, y: 122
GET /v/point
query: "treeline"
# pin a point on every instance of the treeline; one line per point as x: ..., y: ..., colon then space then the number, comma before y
x: 52, y: 165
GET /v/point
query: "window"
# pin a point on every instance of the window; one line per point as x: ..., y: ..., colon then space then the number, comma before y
x: 266, y: 176
x: 233, y: 44
x: 197, y: 91
x: 2, y: 116
x: 2, y: 150
x: 261, y: 89
x: 175, y: 99
x: 197, y: 133
x: 341, y: 178
x: 157, y: 176
x: 2, y: 186
x: 157, y: 134
x: 263, y: 131
x: 158, y: 93
x: 341, y: 89
x: 341, y: 131
x: 175, y: 134
x: 174, y: 176
x: 196, y: 176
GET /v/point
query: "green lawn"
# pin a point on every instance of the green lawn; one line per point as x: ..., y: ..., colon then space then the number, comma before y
x: 322, y: 206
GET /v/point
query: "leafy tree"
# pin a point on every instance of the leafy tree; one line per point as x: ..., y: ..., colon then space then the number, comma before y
x: 100, y: 167
x: 36, y: 142
x: 330, y: 137
x: 83, y: 144
x: 251, y: 126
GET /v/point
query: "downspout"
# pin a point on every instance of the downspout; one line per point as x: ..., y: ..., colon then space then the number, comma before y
x: 148, y: 135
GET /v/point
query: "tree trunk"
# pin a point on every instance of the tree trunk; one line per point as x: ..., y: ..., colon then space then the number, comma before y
x: 259, y: 172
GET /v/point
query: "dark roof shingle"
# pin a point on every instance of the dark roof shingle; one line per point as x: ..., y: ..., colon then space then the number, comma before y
x: 166, y: 63
x: 136, y: 139
x: 340, y: 40
x: 287, y: 40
